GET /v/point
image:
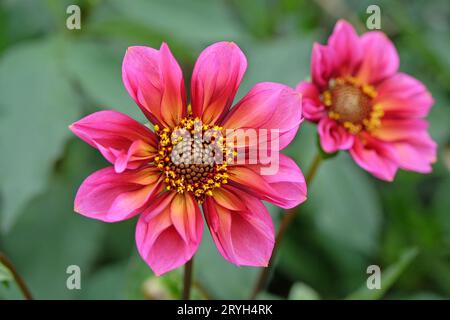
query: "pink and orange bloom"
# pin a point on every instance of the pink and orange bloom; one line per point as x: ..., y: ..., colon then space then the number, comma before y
x: 143, y: 178
x: 363, y: 104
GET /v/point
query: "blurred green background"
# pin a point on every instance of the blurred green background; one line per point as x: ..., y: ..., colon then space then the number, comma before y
x: 51, y: 76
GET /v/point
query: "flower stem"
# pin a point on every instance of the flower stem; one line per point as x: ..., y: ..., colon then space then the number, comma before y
x: 188, y: 279
x: 285, y: 222
x: 19, y: 280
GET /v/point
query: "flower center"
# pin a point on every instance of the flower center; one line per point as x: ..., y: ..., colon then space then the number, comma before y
x: 351, y: 105
x: 192, y: 157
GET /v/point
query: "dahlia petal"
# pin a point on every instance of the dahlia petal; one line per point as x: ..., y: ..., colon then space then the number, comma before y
x: 346, y: 48
x: 375, y: 156
x: 400, y: 129
x: 308, y: 90
x: 158, y: 236
x: 160, y: 204
x: 414, y: 147
x: 403, y: 96
x: 135, y: 157
x: 417, y: 154
x: 108, y: 196
x: 285, y: 138
x: 312, y: 107
x: 219, y: 222
x: 154, y: 80
x: 287, y: 188
x: 228, y: 200
x: 215, y: 80
x: 380, y: 59
x: 184, y: 213
x: 271, y: 106
x: 333, y: 136
x: 322, y: 65
x: 122, y: 141
x: 244, y: 237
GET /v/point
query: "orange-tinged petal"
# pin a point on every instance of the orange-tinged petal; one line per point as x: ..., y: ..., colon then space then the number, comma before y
x: 154, y: 80
x: 109, y: 196
x: 184, y: 212
x: 122, y: 141
x: 286, y: 188
x: 215, y: 80
x: 243, y: 237
x: 228, y: 200
x: 169, y: 232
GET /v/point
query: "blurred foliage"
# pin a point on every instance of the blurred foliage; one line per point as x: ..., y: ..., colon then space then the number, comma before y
x: 301, y: 291
x: 5, y: 275
x: 389, y: 277
x: 50, y: 76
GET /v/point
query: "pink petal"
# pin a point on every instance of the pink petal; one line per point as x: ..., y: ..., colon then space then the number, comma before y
x: 322, y: 65
x: 333, y: 136
x: 154, y: 80
x: 380, y: 58
x: 346, y: 48
x: 403, y: 96
x: 414, y: 147
x: 169, y: 232
x: 122, y: 141
x: 375, y: 156
x: 271, y: 106
x: 108, y: 196
x: 401, y: 129
x: 312, y: 107
x: 186, y: 217
x: 228, y: 200
x: 215, y: 80
x: 287, y: 188
x: 243, y: 237
x: 417, y: 154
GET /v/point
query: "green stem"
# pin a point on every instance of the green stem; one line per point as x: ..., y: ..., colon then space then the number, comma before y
x: 187, y: 282
x: 19, y: 280
x: 285, y: 222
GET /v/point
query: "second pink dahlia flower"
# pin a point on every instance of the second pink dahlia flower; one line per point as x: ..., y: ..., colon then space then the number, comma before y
x: 144, y: 179
x: 363, y: 104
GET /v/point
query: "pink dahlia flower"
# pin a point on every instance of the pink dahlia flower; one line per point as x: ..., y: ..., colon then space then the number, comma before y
x: 144, y: 177
x: 362, y: 104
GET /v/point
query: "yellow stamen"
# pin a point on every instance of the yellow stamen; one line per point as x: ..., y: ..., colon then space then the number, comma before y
x: 200, y: 178
x: 350, y: 103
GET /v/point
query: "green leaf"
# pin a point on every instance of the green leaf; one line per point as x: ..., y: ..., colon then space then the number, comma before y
x: 424, y: 296
x: 267, y: 296
x: 5, y: 274
x: 107, y: 283
x: 388, y: 278
x: 26, y: 18
x: 219, y: 278
x: 141, y: 283
x: 51, y: 236
x: 259, y: 19
x: 37, y: 104
x: 344, y: 205
x: 301, y: 291
x: 441, y: 207
x: 195, y: 23
x: 98, y: 69
x: 284, y: 60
